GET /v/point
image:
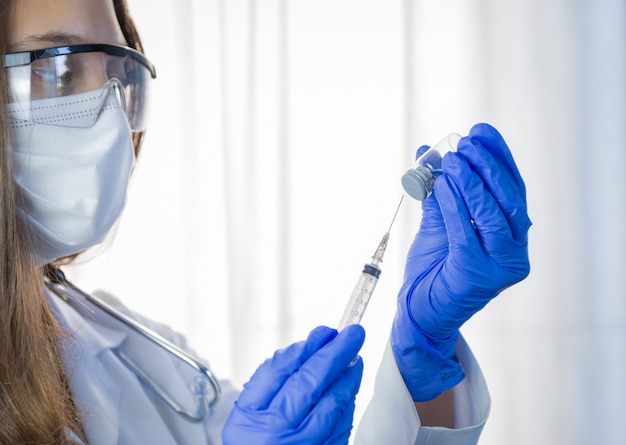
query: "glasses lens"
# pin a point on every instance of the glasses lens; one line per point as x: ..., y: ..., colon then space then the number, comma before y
x: 135, y: 79
x: 67, y: 75
x: 41, y: 90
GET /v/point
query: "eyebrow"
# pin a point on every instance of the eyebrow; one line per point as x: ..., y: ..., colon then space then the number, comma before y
x: 42, y: 40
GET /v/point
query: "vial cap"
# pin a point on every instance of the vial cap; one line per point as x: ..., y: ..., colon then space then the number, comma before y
x: 416, y: 183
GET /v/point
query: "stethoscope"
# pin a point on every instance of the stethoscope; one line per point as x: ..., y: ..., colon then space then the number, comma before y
x: 57, y: 283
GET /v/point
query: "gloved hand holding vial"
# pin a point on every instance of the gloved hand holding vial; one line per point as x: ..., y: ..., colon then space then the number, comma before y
x: 471, y: 245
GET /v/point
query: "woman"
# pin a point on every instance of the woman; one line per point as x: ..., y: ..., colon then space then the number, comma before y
x: 81, y: 369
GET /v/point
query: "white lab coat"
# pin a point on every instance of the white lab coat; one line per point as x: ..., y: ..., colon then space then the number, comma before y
x: 116, y: 409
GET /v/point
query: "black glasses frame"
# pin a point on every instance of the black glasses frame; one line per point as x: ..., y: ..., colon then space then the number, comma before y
x: 28, y: 57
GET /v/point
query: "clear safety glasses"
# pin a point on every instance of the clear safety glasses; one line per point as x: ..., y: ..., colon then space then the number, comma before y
x: 43, y: 80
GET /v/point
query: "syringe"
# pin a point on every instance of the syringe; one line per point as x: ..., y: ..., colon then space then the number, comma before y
x: 366, y: 283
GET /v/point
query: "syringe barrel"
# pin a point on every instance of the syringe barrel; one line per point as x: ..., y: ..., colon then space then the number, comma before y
x: 361, y: 295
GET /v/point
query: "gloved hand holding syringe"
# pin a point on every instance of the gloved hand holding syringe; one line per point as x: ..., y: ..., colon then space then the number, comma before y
x: 366, y: 283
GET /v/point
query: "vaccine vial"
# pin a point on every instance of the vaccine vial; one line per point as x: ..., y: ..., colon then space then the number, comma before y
x: 418, y: 182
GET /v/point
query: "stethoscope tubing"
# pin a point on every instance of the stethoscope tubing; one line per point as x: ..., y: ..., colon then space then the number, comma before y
x: 59, y: 281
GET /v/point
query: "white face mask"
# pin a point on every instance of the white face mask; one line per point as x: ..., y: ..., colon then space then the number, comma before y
x: 72, y: 180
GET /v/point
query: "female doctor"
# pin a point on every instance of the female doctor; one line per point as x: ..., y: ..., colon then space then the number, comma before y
x: 80, y: 368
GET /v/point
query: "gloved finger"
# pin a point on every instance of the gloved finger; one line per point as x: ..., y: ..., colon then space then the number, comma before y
x: 489, y: 260
x: 270, y: 377
x: 432, y: 221
x: 335, y: 410
x: 341, y: 435
x: 510, y: 197
x: 493, y: 141
x: 431, y: 216
x: 474, y: 219
x: 430, y: 243
x: 420, y: 151
x: 305, y: 387
x: 464, y: 283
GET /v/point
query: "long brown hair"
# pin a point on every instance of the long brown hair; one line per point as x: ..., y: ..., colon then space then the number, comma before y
x: 36, y: 406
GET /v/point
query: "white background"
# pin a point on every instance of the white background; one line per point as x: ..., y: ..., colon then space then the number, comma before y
x: 279, y: 133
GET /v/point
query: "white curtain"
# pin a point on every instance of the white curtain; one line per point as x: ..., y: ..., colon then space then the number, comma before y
x: 280, y: 130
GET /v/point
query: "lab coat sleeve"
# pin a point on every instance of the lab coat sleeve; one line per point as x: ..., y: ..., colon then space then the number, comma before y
x: 391, y: 416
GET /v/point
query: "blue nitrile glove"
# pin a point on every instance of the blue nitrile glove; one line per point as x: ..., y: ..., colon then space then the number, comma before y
x: 304, y: 394
x: 471, y: 245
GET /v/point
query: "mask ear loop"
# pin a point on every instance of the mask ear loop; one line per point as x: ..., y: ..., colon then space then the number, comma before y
x: 112, y: 84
